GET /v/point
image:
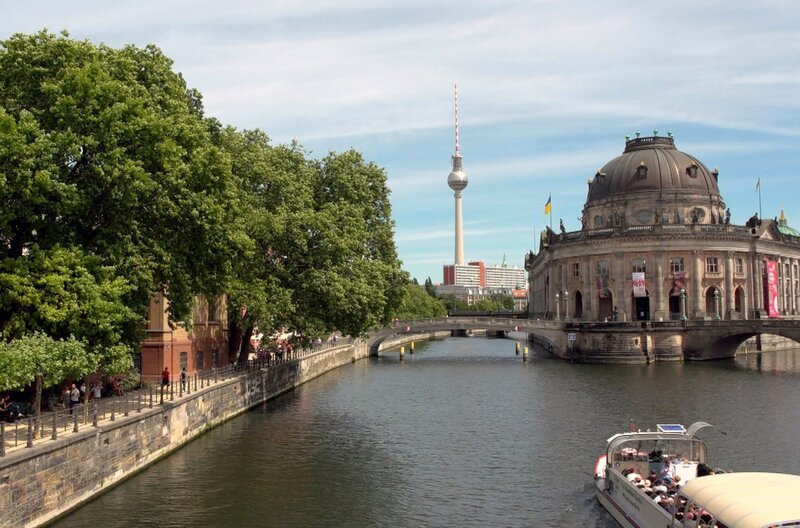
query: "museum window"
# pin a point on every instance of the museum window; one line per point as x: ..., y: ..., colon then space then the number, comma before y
x: 712, y: 265
x: 739, y: 266
x: 676, y: 265
x: 641, y: 171
x: 576, y: 269
x: 602, y: 267
x: 639, y: 266
x: 184, y: 360
x: 691, y: 170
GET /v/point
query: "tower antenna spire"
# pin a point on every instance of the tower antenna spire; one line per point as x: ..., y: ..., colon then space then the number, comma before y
x: 458, y: 149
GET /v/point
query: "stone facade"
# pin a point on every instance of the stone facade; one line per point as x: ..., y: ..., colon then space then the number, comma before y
x: 39, y: 484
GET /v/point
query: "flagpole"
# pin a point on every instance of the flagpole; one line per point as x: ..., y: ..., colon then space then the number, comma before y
x: 760, y: 215
x: 550, y: 201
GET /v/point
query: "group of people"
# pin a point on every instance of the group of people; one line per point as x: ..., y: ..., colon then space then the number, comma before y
x: 663, y: 488
x: 9, y: 411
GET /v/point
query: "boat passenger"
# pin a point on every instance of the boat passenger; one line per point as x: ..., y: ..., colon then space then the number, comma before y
x: 667, y: 471
x: 633, y: 476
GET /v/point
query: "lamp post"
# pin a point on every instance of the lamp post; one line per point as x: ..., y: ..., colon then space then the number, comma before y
x: 566, y: 306
x: 558, y: 306
x: 683, y: 305
x: 716, y: 305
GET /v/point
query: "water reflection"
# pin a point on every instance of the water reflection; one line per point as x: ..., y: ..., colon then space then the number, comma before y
x: 778, y: 362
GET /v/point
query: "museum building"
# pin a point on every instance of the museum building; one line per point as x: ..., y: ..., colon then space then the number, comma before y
x: 656, y: 243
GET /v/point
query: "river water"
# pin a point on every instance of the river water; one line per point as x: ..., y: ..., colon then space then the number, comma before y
x: 461, y: 434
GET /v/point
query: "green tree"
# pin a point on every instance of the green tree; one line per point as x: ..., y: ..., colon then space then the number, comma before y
x: 430, y: 289
x: 107, y: 150
x: 320, y: 254
x: 417, y: 304
x: 44, y: 362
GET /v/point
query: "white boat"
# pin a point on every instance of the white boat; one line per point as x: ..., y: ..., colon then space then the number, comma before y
x: 676, y: 488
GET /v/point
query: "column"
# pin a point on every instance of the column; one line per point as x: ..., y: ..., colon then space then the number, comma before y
x: 588, y: 291
x: 792, y: 266
x: 729, y: 297
x: 697, y: 285
x: 660, y: 309
x: 758, y: 289
x: 621, y: 277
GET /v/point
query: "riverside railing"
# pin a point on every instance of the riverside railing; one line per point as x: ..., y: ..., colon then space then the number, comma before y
x: 28, y: 431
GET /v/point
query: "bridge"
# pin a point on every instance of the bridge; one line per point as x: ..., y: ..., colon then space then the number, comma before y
x: 610, y: 342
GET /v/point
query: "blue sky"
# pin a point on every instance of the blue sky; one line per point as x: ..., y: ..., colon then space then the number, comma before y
x: 547, y: 92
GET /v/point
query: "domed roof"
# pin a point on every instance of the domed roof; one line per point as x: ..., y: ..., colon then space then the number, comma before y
x: 785, y: 228
x: 652, y: 164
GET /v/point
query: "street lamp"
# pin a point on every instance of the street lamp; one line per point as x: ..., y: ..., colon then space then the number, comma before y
x: 716, y: 305
x: 683, y: 305
x: 558, y: 306
x: 566, y: 305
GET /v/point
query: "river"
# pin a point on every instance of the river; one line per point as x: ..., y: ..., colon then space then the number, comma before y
x: 460, y: 434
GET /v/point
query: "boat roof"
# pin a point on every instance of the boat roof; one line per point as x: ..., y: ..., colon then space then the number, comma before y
x: 747, y: 500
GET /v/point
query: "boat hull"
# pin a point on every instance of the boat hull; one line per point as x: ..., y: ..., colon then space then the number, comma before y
x: 614, y: 510
x: 628, y: 505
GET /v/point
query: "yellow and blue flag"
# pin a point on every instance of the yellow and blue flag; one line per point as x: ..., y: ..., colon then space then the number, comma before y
x: 548, y: 205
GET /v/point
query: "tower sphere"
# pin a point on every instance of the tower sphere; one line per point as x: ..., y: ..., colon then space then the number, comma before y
x: 457, y: 180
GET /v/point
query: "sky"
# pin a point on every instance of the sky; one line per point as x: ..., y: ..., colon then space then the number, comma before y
x: 547, y: 92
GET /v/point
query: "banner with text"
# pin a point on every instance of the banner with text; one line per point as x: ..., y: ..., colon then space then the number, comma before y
x: 638, y: 284
x: 772, y: 288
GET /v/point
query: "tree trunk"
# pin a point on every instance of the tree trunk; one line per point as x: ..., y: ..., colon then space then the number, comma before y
x: 234, y: 339
x: 244, y: 345
x: 37, y: 406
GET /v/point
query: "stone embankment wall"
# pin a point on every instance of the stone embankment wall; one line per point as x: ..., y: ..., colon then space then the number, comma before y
x: 39, y: 484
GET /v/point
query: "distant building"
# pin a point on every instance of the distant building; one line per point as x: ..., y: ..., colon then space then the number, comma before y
x: 476, y: 274
x: 173, y: 346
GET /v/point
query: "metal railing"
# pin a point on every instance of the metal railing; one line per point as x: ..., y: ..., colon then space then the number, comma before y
x: 29, y: 430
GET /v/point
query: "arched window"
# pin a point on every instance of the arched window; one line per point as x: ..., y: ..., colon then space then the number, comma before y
x: 641, y: 171
x: 691, y: 170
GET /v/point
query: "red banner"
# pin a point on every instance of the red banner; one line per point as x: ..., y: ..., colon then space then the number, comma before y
x: 772, y: 288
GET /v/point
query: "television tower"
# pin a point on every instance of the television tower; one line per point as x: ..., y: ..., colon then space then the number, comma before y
x: 457, y: 180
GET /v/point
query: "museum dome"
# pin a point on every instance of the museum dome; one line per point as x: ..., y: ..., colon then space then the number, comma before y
x: 652, y: 165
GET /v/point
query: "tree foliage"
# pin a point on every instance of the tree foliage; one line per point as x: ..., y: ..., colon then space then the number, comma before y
x: 417, y: 304
x: 320, y: 248
x: 107, y: 150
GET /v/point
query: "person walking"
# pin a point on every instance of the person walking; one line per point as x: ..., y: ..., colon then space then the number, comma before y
x: 183, y: 379
x: 74, y: 397
x: 165, y: 377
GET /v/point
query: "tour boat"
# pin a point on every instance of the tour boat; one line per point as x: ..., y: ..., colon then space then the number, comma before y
x: 699, y: 496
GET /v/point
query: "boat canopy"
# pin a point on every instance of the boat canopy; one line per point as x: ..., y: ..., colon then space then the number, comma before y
x: 655, y: 443
x: 748, y: 500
